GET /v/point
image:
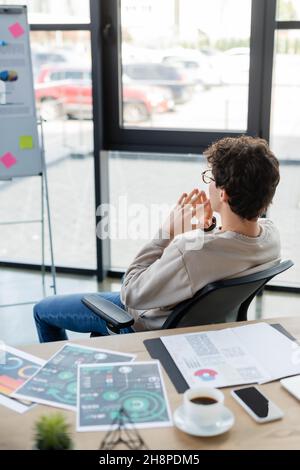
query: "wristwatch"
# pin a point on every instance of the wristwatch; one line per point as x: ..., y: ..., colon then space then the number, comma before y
x: 213, y: 225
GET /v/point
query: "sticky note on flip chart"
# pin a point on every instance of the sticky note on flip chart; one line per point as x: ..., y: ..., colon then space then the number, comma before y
x: 8, y: 160
x: 16, y: 30
x: 26, y: 142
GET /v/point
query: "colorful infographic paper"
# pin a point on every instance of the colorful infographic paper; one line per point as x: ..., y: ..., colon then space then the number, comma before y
x: 136, y: 387
x: 16, y: 367
x: 55, y: 384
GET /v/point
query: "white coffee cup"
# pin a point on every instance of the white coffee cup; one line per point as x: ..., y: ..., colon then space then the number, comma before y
x: 199, y: 413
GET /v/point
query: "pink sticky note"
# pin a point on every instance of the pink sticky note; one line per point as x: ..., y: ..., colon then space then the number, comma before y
x: 16, y: 30
x: 8, y: 160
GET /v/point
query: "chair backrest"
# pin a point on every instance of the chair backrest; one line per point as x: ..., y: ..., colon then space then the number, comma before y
x: 223, y: 301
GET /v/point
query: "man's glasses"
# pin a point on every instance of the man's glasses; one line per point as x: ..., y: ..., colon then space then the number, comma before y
x: 207, y: 176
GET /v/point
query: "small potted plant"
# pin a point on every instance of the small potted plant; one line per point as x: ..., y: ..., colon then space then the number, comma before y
x: 52, y: 433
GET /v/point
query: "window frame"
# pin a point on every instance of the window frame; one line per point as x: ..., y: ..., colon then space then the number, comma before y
x: 176, y: 140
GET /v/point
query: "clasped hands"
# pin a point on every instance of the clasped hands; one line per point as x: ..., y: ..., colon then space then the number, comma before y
x: 192, y: 211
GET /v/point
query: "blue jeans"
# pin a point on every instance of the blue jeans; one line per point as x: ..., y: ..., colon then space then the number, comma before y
x: 56, y: 314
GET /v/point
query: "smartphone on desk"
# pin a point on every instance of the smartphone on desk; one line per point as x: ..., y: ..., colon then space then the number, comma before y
x: 292, y: 385
x: 257, y: 405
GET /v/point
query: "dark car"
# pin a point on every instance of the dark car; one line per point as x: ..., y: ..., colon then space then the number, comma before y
x: 167, y: 76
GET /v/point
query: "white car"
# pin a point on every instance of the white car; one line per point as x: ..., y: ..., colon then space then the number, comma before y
x: 198, y: 66
x: 235, y: 66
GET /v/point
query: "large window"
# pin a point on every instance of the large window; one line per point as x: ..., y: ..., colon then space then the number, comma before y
x: 184, y: 73
x: 177, y: 73
x: 285, y: 131
x: 288, y: 10
x: 63, y: 88
x: 193, y: 73
x: 169, y: 77
x: 175, y: 90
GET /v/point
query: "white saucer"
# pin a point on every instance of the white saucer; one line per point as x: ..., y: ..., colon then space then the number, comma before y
x: 224, y: 423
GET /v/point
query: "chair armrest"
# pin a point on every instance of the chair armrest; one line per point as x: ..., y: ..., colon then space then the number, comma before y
x: 114, y: 316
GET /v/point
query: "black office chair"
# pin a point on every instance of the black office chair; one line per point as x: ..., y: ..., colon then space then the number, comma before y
x: 218, y: 302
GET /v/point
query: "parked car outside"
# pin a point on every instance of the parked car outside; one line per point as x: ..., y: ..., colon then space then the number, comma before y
x: 67, y: 90
x: 236, y: 66
x: 41, y: 57
x: 198, y: 66
x: 170, y: 77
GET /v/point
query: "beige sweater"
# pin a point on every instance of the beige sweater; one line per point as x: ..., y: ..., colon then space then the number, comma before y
x: 166, y: 272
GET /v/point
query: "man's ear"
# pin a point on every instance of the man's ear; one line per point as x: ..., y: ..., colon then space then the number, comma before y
x: 223, y: 196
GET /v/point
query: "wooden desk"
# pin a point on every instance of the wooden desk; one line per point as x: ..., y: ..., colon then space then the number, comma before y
x: 16, y: 431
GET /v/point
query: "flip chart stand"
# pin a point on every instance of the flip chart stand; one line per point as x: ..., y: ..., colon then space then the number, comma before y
x: 44, y: 199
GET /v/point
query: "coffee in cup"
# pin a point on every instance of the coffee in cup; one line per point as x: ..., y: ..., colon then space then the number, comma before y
x: 203, y: 406
x: 203, y: 401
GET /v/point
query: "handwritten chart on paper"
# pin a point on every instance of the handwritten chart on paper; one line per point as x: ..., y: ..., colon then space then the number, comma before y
x: 19, y: 143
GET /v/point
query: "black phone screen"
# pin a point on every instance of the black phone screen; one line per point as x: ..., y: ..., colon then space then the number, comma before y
x: 257, y: 402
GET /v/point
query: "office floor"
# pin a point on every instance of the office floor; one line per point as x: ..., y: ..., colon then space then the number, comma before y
x: 16, y: 286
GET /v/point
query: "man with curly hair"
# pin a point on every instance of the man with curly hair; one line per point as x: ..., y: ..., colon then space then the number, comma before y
x: 242, y: 175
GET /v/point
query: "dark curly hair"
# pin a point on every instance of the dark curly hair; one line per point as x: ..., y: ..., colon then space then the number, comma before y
x: 248, y: 171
